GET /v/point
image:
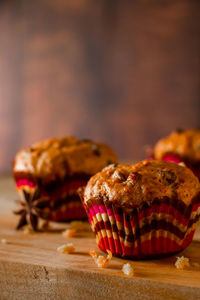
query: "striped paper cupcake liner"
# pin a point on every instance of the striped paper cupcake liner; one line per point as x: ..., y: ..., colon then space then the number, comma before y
x: 60, y: 210
x: 165, y: 227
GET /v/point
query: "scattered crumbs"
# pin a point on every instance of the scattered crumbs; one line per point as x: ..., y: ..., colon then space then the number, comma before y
x: 79, y: 225
x: 101, y: 261
x: 68, y: 233
x: 67, y: 248
x: 128, y: 270
x: 182, y: 262
x: 182, y: 164
x: 4, y: 241
x: 27, y: 231
x: 196, y: 264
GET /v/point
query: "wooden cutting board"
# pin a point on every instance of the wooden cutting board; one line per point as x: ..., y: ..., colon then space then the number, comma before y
x: 31, y: 267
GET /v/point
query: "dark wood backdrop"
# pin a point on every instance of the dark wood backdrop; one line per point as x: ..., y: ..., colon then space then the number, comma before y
x: 124, y: 72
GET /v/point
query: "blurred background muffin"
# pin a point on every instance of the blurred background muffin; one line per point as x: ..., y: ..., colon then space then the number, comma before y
x: 123, y: 72
x: 180, y: 146
x: 48, y: 174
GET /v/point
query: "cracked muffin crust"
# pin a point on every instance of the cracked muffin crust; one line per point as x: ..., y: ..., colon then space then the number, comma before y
x: 58, y: 158
x: 131, y: 186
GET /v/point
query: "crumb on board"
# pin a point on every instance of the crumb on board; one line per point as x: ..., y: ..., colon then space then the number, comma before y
x: 101, y: 261
x: 4, y: 241
x: 79, y: 225
x: 67, y: 248
x: 182, y: 263
x: 128, y: 269
x: 68, y: 233
x: 27, y: 231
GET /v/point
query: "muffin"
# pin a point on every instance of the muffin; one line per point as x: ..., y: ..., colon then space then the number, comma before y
x: 48, y: 174
x: 145, y: 210
x: 180, y: 146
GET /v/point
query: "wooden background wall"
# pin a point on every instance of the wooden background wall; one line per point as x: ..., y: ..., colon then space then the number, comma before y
x: 124, y: 72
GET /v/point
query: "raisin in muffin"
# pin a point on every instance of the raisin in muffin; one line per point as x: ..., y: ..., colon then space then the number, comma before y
x: 143, y: 210
x: 48, y: 174
x: 180, y: 146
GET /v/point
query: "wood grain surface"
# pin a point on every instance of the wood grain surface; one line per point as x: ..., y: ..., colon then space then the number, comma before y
x: 31, y: 268
x: 124, y: 72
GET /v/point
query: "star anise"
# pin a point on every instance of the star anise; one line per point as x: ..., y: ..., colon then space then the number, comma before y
x: 31, y: 209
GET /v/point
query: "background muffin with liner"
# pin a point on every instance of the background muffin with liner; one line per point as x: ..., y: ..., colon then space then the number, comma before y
x: 48, y: 174
x: 180, y: 146
x: 143, y: 210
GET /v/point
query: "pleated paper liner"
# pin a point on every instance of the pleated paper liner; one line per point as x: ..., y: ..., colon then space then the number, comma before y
x: 59, y: 210
x: 72, y: 210
x: 163, y: 228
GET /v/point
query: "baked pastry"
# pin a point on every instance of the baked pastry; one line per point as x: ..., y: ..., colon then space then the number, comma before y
x: 180, y: 146
x: 48, y: 173
x: 145, y: 210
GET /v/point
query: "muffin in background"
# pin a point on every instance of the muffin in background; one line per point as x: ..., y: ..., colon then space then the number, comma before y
x: 48, y: 174
x: 145, y: 210
x: 180, y: 146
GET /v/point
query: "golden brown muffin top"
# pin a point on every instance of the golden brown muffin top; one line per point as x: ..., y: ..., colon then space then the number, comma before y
x: 60, y: 157
x: 131, y: 186
x: 184, y: 143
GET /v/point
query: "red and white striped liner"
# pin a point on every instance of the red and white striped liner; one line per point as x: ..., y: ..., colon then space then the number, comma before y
x: 157, y: 230
x: 70, y: 210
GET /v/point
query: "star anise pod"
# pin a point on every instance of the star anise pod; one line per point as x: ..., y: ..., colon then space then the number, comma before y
x: 31, y: 209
